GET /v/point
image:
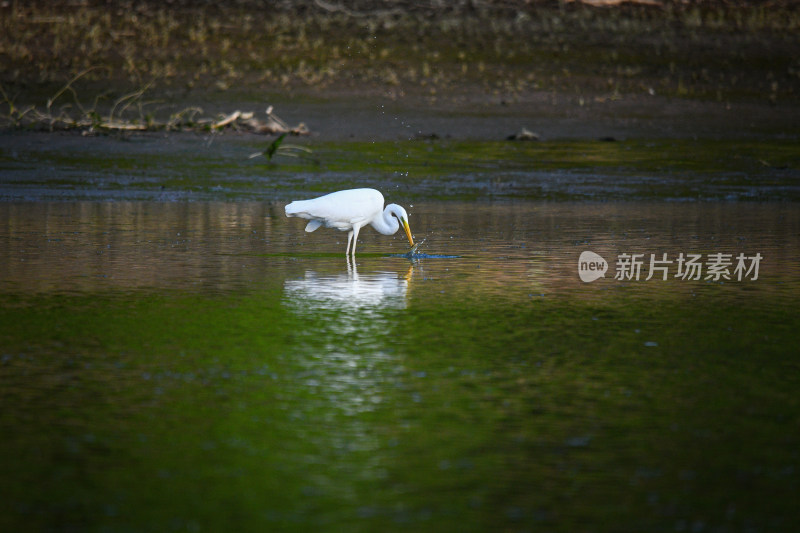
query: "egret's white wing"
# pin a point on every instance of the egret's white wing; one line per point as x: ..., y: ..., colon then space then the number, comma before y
x: 341, y: 209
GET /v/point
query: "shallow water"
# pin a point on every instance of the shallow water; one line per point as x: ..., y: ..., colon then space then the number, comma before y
x: 210, y: 366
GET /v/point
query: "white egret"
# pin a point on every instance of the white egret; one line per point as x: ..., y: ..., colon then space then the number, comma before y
x: 351, y: 210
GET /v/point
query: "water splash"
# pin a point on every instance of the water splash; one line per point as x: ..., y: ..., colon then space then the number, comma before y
x: 414, y: 253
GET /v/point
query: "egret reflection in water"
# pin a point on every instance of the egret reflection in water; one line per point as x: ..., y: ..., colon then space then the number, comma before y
x: 348, y: 308
x: 349, y: 291
x: 347, y: 342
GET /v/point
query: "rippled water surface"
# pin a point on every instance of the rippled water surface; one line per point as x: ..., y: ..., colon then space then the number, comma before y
x: 211, y: 366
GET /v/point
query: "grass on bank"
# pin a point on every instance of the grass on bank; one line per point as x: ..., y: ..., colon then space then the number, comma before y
x: 716, y: 50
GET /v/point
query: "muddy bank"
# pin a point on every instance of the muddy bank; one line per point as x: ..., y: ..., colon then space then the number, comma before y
x: 375, y: 115
x: 550, y: 116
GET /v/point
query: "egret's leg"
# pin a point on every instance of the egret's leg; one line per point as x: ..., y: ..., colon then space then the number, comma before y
x: 349, y: 238
x: 356, y: 229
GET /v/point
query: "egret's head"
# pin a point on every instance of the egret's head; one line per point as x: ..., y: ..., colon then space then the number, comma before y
x: 402, y: 216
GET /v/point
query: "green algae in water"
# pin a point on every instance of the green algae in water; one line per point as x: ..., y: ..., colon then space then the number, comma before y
x: 124, y: 411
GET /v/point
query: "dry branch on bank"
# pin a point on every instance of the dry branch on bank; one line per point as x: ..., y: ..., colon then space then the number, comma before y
x: 247, y: 121
x: 130, y: 113
x: 184, y: 120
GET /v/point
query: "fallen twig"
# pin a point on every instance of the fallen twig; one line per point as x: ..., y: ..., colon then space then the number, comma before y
x: 227, y: 120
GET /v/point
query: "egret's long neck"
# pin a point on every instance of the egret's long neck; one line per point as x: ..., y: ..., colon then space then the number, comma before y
x: 386, y: 223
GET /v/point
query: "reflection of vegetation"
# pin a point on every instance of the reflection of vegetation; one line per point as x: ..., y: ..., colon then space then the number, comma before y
x: 710, y: 49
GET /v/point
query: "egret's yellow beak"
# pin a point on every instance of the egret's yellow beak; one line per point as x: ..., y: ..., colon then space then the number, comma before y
x: 408, y: 231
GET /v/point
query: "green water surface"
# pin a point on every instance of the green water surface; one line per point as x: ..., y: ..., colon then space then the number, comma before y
x: 209, y: 367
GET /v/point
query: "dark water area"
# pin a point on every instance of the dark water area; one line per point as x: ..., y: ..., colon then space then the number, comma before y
x: 208, y: 366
